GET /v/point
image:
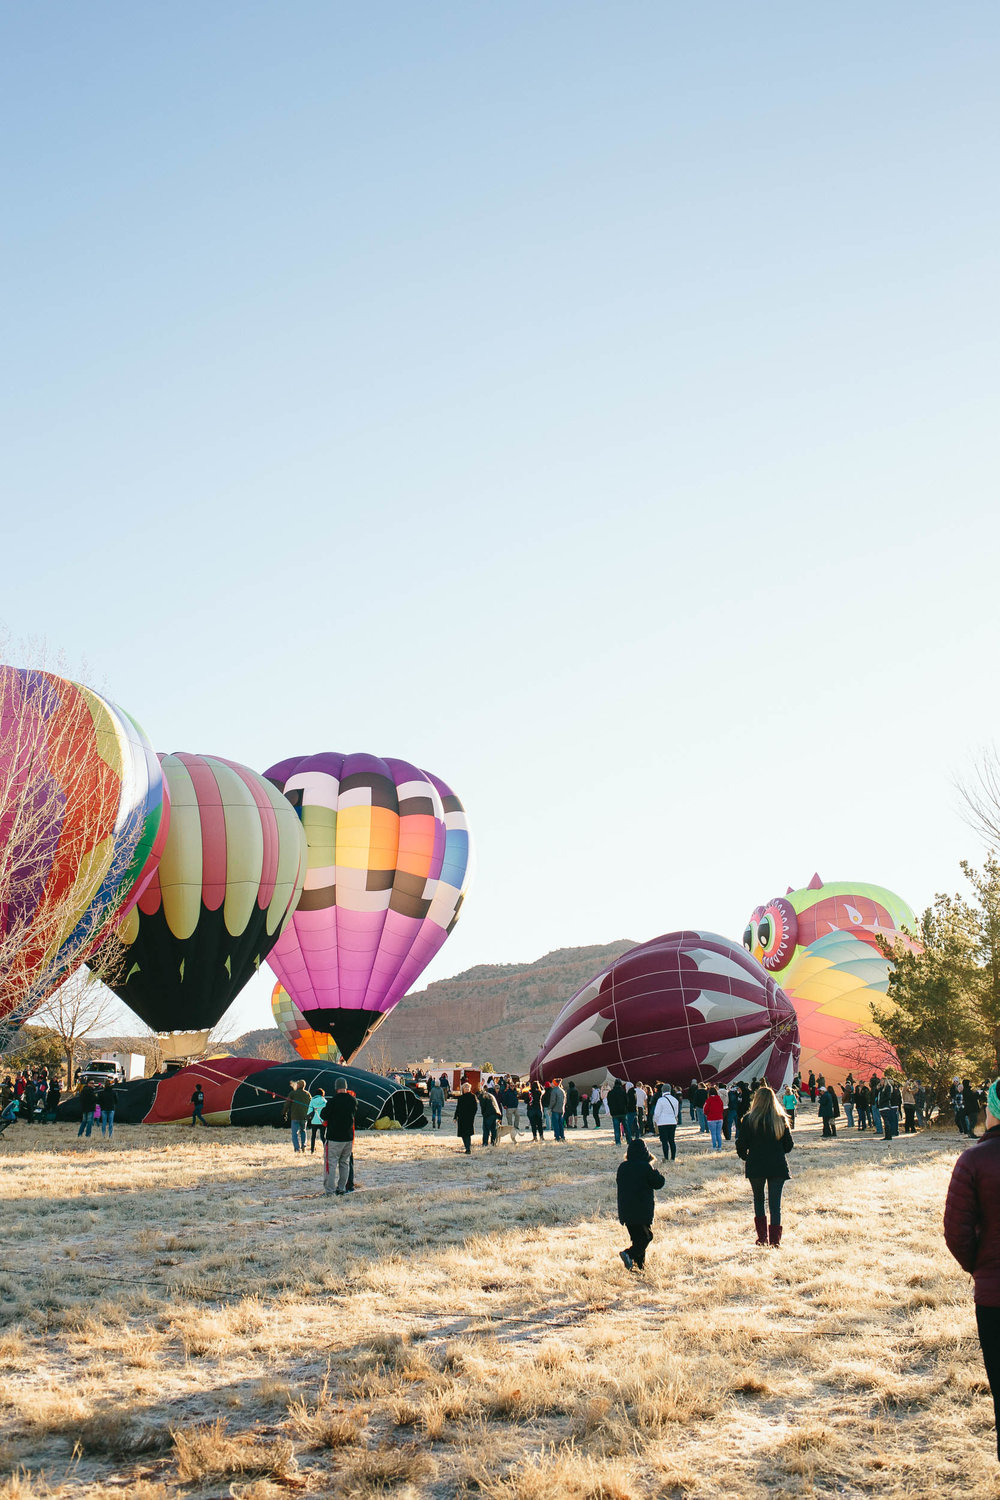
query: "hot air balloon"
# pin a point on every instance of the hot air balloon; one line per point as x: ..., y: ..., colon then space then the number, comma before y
x: 83, y: 820
x: 230, y: 874
x: 822, y: 945
x: 685, y: 1005
x: 314, y: 1046
x: 388, y: 863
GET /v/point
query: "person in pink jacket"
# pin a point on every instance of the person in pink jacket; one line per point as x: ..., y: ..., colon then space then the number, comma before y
x: 972, y: 1234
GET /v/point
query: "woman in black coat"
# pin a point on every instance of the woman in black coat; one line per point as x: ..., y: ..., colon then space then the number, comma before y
x: 763, y: 1143
x: 637, y: 1178
x: 465, y: 1113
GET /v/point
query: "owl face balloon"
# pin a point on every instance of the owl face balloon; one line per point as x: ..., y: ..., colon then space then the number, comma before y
x: 686, y: 1005
x: 822, y: 945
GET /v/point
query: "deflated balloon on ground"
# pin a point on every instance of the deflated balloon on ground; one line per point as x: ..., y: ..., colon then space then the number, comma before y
x: 253, y: 1091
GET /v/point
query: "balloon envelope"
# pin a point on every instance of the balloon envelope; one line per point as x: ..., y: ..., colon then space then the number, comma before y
x: 230, y: 874
x: 821, y: 943
x: 84, y: 815
x: 313, y: 1046
x: 388, y: 864
x: 685, y: 1005
x: 253, y: 1091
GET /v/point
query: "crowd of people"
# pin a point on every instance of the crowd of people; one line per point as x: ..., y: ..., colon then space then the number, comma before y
x: 883, y: 1105
x: 31, y: 1095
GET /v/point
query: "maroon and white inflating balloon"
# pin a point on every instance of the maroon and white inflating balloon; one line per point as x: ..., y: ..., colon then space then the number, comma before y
x: 685, y: 1005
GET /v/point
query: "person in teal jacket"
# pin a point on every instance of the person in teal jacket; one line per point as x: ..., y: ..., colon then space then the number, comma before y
x: 314, y: 1119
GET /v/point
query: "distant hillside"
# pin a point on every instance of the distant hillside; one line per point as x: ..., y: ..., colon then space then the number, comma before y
x: 494, y: 1013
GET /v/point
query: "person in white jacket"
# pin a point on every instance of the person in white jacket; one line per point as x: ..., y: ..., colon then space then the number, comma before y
x: 665, y: 1117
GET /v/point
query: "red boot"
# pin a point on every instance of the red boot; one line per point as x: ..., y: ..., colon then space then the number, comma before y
x: 775, y: 1236
x: 761, y: 1227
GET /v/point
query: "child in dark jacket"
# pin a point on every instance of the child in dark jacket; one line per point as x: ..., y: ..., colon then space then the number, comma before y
x: 637, y: 1177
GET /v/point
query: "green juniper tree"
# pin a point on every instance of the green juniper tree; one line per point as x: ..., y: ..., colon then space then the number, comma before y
x: 931, y: 1015
x: 942, y: 1011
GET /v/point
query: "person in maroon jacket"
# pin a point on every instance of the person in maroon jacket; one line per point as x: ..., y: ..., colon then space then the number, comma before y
x: 972, y: 1234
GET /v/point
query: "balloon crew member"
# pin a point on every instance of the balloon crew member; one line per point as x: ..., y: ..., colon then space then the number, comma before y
x: 972, y: 1234
x: 763, y: 1143
x: 338, y: 1116
x: 297, y: 1109
x: 465, y: 1114
x: 198, y: 1105
x: 88, y: 1104
x: 636, y: 1179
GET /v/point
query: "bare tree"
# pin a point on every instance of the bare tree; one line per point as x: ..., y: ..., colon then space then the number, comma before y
x: 867, y: 1051
x: 980, y: 797
x: 80, y: 1008
x: 375, y: 1055
x: 52, y: 798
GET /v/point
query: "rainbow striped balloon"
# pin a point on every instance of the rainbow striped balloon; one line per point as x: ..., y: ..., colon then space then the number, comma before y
x: 313, y: 1046
x: 84, y: 815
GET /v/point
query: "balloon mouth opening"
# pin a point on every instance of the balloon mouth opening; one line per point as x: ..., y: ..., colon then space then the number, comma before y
x: 180, y: 1047
x: 350, y: 1029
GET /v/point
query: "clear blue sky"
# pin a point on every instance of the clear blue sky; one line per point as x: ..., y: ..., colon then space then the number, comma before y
x: 595, y: 404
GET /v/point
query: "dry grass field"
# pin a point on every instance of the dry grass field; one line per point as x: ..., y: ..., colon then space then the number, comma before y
x: 186, y: 1315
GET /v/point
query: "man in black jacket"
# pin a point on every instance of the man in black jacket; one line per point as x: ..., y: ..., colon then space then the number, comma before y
x: 636, y: 1179
x: 338, y: 1116
x: 617, y: 1107
x: 108, y: 1100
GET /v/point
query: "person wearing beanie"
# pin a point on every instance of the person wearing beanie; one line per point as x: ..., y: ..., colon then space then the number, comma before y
x: 636, y: 1179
